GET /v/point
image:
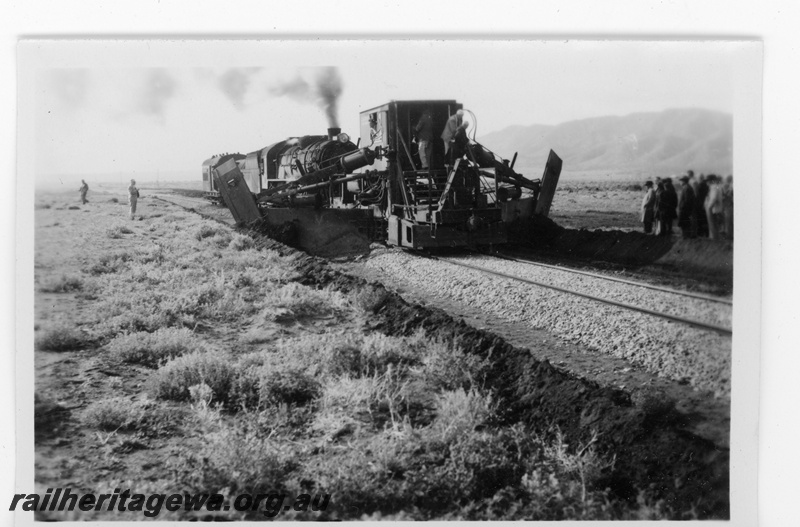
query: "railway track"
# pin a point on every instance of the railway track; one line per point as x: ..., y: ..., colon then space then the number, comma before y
x: 587, y: 282
x: 677, y: 292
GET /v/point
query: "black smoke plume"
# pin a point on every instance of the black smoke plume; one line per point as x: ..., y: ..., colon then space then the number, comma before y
x: 234, y: 83
x: 159, y: 88
x: 324, y: 93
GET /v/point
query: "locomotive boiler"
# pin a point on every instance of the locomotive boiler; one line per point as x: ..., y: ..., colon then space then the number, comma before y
x: 333, y: 189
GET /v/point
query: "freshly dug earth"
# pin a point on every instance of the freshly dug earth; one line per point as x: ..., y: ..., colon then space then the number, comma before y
x: 709, y: 260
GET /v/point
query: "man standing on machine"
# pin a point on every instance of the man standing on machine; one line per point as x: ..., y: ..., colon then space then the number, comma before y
x: 424, y: 130
x: 454, y: 135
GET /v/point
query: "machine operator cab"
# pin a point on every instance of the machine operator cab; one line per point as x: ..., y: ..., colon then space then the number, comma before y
x: 392, y: 126
x: 434, y: 199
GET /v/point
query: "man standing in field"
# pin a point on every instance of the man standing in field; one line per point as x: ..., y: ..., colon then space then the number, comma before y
x: 670, y: 204
x: 648, y: 207
x: 727, y: 207
x: 133, y: 197
x: 700, y: 195
x: 83, y: 190
x: 686, y: 209
x: 713, y: 207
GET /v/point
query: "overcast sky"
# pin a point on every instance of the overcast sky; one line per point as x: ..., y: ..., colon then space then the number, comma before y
x: 146, y: 106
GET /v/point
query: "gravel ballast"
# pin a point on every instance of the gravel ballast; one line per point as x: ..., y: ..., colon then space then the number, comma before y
x: 672, y: 350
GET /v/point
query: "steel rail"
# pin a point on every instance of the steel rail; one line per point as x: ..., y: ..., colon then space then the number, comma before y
x: 614, y: 279
x: 702, y: 325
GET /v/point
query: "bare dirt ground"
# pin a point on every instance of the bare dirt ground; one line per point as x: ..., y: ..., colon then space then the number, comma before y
x: 670, y: 442
x: 597, y: 205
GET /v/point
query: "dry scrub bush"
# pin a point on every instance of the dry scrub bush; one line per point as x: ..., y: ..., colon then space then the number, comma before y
x: 366, y: 477
x: 234, y: 458
x: 380, y: 352
x: 380, y: 400
x: 338, y: 354
x: 345, y: 400
x: 290, y: 387
x: 459, y: 413
x: 402, y: 471
x: 295, y: 301
x: 151, y: 349
x: 61, y: 338
x: 150, y: 254
x: 221, y: 239
x: 343, y: 359
x: 138, y: 310
x: 62, y: 284
x: 117, y: 231
x: 117, y: 413
x: 269, y: 379
x: 369, y: 355
x: 173, y: 380
x: 312, y: 351
x: 478, y: 465
x: 176, y: 217
x: 240, y: 242
x: 448, y: 366
x: 370, y: 298
x: 207, y: 230
x: 583, y: 462
x: 175, y: 298
x: 459, y: 467
x: 112, y: 262
x: 228, y: 304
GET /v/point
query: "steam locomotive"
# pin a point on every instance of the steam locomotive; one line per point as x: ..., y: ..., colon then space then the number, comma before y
x: 331, y: 187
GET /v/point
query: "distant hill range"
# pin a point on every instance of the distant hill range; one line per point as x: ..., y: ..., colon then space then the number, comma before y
x: 658, y: 143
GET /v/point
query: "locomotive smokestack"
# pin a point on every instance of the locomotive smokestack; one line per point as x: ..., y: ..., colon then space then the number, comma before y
x: 333, y: 132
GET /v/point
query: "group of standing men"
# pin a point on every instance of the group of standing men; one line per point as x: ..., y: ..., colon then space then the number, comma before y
x: 133, y: 195
x: 453, y: 135
x: 703, y: 206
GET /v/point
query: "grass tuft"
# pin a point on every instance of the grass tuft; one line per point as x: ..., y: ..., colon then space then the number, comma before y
x: 449, y: 367
x: 290, y: 387
x: 117, y: 231
x: 174, y: 379
x: 117, y: 413
x: 62, y: 284
x: 295, y: 301
x: 207, y: 230
x: 61, y: 338
x: 239, y: 242
x: 151, y: 349
x: 236, y: 456
x: 460, y: 413
x: 112, y: 262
